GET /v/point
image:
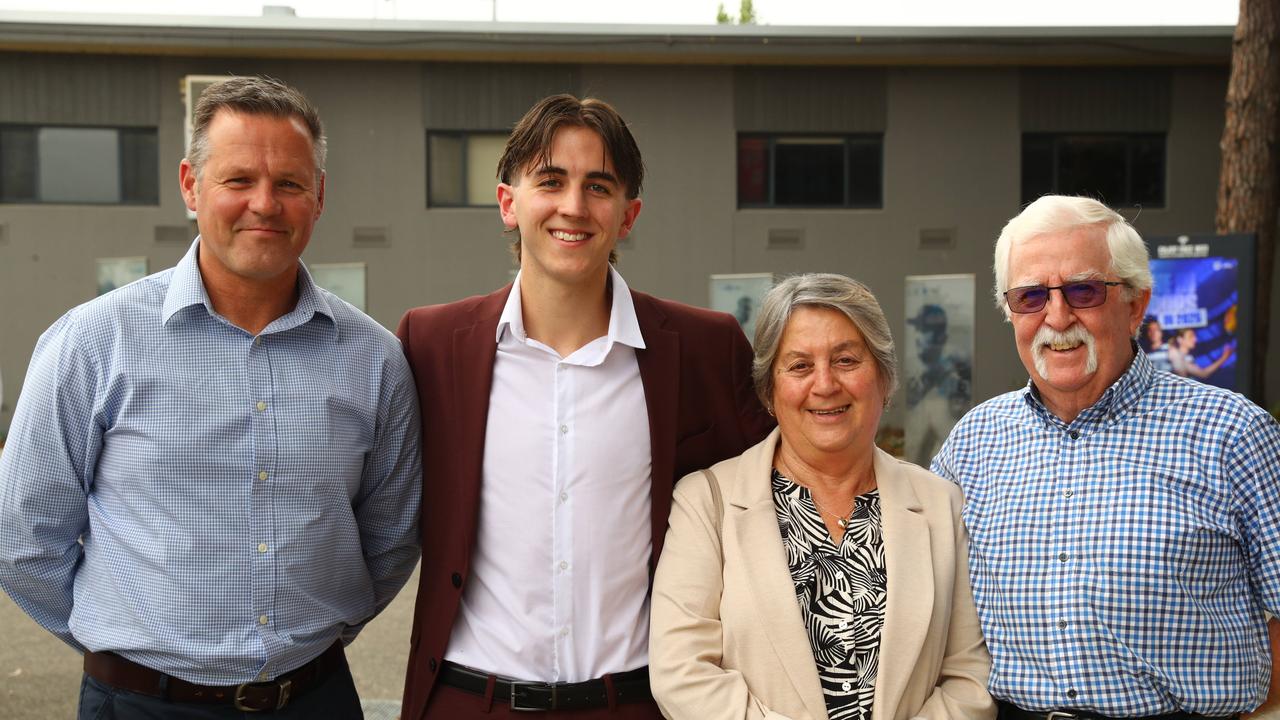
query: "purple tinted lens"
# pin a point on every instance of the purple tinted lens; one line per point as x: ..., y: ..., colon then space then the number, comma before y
x: 1086, y: 294
x: 1027, y: 299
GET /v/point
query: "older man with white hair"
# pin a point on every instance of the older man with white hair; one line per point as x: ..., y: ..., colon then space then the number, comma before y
x: 1124, y: 522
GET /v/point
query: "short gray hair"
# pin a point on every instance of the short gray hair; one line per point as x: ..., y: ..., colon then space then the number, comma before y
x: 253, y: 96
x: 824, y: 290
x: 1053, y: 214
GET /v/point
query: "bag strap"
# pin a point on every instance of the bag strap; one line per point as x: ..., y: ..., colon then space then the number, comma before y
x: 714, y: 484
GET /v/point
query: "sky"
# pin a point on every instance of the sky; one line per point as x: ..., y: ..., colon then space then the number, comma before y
x: 697, y: 12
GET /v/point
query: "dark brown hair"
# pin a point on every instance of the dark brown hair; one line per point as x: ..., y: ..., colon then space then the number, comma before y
x: 530, y: 142
x: 252, y: 96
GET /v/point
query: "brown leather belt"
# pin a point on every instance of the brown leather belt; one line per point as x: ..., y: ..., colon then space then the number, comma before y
x: 269, y: 696
x: 628, y: 687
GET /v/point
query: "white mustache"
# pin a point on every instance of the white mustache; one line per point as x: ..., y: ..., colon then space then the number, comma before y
x: 1074, y: 335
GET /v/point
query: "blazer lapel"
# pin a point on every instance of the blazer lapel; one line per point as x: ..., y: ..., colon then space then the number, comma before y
x: 909, y: 596
x: 659, y: 365
x: 474, y: 350
x: 750, y: 511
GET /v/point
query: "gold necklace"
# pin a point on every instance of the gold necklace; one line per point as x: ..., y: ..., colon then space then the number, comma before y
x: 842, y: 520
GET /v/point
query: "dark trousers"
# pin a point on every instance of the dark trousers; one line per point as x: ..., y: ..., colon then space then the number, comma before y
x: 335, y: 697
x: 449, y: 703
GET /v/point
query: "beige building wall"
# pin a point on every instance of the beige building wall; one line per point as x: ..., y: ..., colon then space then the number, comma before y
x: 951, y: 161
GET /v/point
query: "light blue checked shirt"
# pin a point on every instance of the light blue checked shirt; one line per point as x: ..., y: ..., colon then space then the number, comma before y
x: 242, y: 501
x: 1121, y: 563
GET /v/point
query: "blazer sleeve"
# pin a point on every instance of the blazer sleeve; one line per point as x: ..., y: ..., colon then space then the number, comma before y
x: 961, y: 691
x: 686, y: 640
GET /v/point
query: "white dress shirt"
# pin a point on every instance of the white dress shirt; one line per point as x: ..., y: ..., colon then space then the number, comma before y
x: 559, y: 586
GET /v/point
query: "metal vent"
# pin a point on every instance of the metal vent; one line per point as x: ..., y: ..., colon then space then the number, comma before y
x: 938, y: 239
x: 174, y: 234
x: 786, y: 238
x: 370, y: 237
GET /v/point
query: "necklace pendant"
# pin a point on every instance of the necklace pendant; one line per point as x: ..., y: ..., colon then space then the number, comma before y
x: 843, y: 523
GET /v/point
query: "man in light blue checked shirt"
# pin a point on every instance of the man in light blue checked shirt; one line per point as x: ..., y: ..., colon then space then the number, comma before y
x: 1124, y: 522
x: 212, y: 476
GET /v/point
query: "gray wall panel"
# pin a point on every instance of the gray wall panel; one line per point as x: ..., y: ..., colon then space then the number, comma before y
x: 1096, y: 99
x: 79, y: 89
x: 797, y: 99
x: 481, y: 96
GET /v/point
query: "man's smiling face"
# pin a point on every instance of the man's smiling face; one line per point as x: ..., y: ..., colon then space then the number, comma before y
x: 1073, y: 354
x: 571, y: 209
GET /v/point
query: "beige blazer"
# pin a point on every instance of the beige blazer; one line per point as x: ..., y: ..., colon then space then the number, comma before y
x: 727, y: 637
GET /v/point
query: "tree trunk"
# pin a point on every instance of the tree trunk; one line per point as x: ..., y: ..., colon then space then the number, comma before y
x: 1249, y: 186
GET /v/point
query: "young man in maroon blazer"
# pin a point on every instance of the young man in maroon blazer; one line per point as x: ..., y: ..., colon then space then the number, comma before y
x: 558, y: 412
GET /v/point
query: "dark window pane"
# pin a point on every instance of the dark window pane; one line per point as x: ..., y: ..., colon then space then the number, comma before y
x: 139, y: 166
x: 1037, y: 166
x: 1147, y: 170
x: 866, y: 172
x: 445, y: 173
x: 808, y: 171
x: 753, y: 171
x: 79, y: 165
x: 17, y: 164
x: 1094, y: 166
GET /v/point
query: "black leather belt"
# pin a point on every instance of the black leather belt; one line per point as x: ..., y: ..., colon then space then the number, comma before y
x: 1009, y: 711
x: 628, y: 687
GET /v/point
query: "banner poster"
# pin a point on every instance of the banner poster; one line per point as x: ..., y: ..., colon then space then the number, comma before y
x: 937, y: 360
x: 118, y: 272
x: 1191, y: 324
x: 741, y: 295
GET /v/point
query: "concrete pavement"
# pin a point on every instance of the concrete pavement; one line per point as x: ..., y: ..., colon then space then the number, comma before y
x: 40, y: 676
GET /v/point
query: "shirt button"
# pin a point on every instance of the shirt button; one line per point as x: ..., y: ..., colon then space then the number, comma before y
x: 456, y: 579
x: 257, y: 341
x: 564, y: 429
x: 1068, y: 493
x: 263, y: 619
x: 839, y: 574
x: 844, y: 624
x: 262, y: 676
x: 1071, y: 694
x: 1075, y: 434
x: 564, y: 565
x: 846, y: 686
x: 262, y: 474
x: 564, y: 632
x: 261, y: 406
x: 564, y: 497
x: 262, y: 547
x: 1063, y: 557
x: 1062, y: 624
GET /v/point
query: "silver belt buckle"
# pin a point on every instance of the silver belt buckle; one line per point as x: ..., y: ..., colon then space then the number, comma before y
x: 1059, y: 715
x: 519, y: 708
x: 282, y: 696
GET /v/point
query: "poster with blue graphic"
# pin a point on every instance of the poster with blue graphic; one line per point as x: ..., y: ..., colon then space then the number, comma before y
x: 1193, y: 320
x: 936, y: 356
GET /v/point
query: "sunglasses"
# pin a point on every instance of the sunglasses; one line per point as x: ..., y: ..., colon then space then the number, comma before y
x: 1079, y: 294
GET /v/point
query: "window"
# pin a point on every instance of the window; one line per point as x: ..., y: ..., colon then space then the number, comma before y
x: 810, y: 171
x: 1118, y: 169
x: 89, y: 165
x: 462, y: 167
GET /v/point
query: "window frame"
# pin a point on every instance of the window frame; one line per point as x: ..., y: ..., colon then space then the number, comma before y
x: 465, y: 179
x: 121, y: 131
x: 849, y: 140
x: 1130, y: 140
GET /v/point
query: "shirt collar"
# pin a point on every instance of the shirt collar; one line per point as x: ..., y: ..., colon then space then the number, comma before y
x: 186, y: 288
x: 1116, y: 400
x: 624, y: 327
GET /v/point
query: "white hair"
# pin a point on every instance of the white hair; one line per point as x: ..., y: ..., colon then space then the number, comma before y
x: 1054, y: 214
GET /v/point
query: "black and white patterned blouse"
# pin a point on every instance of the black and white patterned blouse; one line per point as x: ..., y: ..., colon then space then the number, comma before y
x: 841, y: 592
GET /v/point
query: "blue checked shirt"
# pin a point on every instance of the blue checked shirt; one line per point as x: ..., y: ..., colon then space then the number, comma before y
x: 214, y: 505
x: 1121, y: 563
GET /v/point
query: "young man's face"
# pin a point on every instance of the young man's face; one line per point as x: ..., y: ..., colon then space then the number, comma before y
x: 570, y: 211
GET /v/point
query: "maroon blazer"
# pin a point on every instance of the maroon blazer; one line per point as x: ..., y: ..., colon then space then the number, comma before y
x: 696, y: 370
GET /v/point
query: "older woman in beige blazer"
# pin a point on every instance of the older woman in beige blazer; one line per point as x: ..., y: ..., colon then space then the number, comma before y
x: 762, y: 607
